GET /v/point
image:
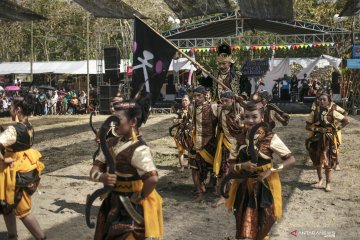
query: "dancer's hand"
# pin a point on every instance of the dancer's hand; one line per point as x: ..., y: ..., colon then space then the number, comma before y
x: 108, y: 179
x: 136, y: 197
x: 262, y: 176
x: 248, y: 166
x: 8, y: 160
x: 321, y: 130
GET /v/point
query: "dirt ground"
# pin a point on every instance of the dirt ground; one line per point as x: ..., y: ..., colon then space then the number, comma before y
x: 67, y: 144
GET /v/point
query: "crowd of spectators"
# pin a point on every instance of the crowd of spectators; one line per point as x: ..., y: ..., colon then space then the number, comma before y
x: 294, y: 90
x: 51, y: 102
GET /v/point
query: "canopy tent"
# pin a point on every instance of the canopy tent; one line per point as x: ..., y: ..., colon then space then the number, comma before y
x: 10, y: 11
x: 323, y: 60
x: 109, y: 8
x: 352, y: 8
x: 276, y: 9
x: 191, y: 8
x: 56, y: 67
x: 282, y: 67
x: 278, y: 71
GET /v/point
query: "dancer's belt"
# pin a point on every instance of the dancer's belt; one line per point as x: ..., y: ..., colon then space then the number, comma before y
x: 128, y: 186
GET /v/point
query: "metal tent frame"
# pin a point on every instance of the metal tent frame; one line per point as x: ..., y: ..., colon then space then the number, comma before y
x: 231, y: 28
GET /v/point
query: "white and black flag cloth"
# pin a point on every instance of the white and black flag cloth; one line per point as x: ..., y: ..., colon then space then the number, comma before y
x: 152, y: 56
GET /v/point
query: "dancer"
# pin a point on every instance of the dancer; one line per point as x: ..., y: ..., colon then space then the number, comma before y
x: 20, y: 168
x: 272, y: 112
x: 201, y: 156
x: 257, y: 202
x: 135, y: 179
x: 182, y: 131
x: 225, y: 74
x: 228, y: 129
x: 337, y: 108
x: 324, y: 122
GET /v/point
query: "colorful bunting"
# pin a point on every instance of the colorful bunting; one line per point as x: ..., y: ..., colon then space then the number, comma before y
x: 261, y: 47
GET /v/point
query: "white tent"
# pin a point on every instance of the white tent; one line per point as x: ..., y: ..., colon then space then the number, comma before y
x: 323, y: 60
x: 56, y: 67
x: 277, y: 72
x: 281, y: 66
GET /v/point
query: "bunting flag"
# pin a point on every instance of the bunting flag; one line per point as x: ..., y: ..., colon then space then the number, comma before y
x: 152, y: 56
x: 262, y: 47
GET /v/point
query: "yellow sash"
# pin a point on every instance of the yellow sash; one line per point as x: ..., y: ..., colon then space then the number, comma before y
x: 272, y: 182
x: 203, y: 153
x: 206, y: 156
x: 152, y: 205
x: 222, y: 140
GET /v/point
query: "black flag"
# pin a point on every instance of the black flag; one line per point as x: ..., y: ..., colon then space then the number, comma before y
x: 152, y: 56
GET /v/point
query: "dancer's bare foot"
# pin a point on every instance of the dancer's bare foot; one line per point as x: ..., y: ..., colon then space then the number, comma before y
x: 328, y: 188
x: 203, y: 188
x: 319, y: 184
x: 337, y: 167
x: 218, y: 202
x: 181, y: 168
x: 198, y: 198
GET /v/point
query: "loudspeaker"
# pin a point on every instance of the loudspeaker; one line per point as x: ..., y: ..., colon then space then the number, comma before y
x: 111, y: 76
x: 170, y: 80
x: 111, y: 58
x: 170, y: 89
x: 104, y: 106
x: 107, y: 93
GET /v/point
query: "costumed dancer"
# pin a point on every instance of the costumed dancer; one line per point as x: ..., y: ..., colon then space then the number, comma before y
x: 20, y: 168
x: 257, y: 202
x: 229, y: 128
x: 323, y: 146
x: 201, y: 156
x: 226, y: 74
x: 135, y: 178
x: 271, y: 111
x: 182, y: 137
x: 337, y: 108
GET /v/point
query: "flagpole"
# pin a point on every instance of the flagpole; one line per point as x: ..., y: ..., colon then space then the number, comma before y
x: 187, y: 57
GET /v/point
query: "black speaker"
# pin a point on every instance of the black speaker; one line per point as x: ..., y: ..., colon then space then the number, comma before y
x: 107, y: 93
x: 170, y: 89
x: 104, y: 106
x: 111, y: 77
x: 170, y: 80
x: 111, y: 58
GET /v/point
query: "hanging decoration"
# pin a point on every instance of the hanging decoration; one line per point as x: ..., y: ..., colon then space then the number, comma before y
x: 262, y: 47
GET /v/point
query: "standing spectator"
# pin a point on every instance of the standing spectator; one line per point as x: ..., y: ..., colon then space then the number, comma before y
x: 46, y: 105
x: 304, y: 88
x: 53, y: 102
x: 83, y: 99
x: 5, y: 104
x: 294, y: 89
x: 74, y: 103
x: 64, y: 104
x: 285, y: 87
